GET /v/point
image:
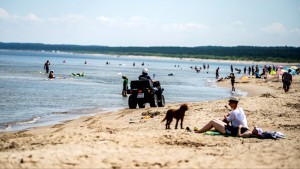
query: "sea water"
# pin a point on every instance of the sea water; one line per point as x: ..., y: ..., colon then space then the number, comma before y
x: 29, y: 99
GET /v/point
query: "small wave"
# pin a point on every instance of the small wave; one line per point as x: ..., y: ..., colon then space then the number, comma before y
x: 64, y: 112
x: 239, y: 93
x: 9, y: 125
x: 82, y: 111
x: 211, y: 82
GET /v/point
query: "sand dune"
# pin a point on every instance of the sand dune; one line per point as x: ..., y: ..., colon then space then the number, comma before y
x: 124, y: 139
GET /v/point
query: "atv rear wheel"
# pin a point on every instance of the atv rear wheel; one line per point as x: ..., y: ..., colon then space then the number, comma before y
x: 141, y: 105
x: 132, y: 102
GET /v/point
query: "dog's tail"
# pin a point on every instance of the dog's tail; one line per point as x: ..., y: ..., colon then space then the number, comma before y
x: 164, y: 119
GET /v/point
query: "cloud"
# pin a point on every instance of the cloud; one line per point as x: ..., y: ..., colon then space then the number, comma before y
x: 138, y: 19
x: 134, y: 23
x: 274, y: 28
x: 70, y: 19
x: 32, y: 17
x: 5, y: 15
x: 142, y: 23
x: 185, y: 27
x: 74, y: 17
x: 104, y: 20
x: 10, y: 17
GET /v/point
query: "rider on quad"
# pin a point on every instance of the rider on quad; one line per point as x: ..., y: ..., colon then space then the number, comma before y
x: 144, y: 75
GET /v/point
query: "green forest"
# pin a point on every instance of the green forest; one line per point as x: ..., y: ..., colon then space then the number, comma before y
x: 244, y: 53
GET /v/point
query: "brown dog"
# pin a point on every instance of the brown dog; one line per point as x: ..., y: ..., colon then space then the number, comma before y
x: 178, y: 114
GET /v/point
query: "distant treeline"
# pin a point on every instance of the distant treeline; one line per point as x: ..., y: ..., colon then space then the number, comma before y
x: 245, y: 53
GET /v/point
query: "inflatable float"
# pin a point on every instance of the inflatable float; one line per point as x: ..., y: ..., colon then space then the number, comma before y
x: 77, y: 74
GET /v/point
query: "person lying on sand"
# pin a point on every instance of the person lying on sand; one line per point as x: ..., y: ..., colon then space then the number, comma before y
x: 237, y: 118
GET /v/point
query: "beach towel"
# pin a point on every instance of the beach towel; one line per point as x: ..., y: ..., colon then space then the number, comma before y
x: 212, y: 133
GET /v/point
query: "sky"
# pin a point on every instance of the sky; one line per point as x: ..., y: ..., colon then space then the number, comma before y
x: 152, y: 22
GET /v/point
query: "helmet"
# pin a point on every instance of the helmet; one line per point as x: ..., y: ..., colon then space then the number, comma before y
x: 124, y: 77
x: 145, y: 70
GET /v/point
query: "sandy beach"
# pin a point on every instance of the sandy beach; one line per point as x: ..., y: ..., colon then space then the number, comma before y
x: 127, y: 139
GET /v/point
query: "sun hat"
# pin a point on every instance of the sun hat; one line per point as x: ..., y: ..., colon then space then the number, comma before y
x: 235, y: 99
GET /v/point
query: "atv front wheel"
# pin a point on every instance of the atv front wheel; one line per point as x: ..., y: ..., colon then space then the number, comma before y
x: 153, y: 102
x: 161, y: 102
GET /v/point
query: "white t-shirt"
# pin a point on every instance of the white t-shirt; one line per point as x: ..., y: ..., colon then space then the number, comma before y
x: 238, y: 117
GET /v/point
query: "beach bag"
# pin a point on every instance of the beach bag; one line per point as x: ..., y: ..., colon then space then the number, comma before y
x: 267, y: 134
x: 272, y: 135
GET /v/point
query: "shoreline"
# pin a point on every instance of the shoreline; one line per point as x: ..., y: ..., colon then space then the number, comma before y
x: 167, y: 58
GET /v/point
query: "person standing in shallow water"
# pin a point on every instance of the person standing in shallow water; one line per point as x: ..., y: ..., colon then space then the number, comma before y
x: 232, y: 78
x: 125, y: 86
x: 217, y: 73
x: 249, y: 70
x: 46, y: 66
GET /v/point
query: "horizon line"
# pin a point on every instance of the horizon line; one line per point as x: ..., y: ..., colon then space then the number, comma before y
x: 145, y: 46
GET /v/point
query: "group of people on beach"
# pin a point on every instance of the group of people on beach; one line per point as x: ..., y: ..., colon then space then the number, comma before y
x: 286, y: 76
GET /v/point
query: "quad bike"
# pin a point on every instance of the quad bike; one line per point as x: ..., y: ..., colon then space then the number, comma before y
x: 145, y: 91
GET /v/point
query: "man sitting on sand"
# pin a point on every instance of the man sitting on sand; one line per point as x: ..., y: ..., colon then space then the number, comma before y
x: 237, y: 118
